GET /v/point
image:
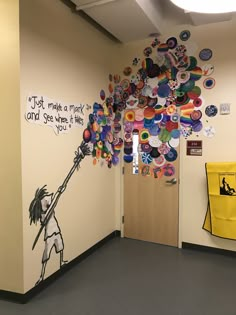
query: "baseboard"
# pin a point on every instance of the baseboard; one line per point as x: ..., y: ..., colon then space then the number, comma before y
x: 24, y: 298
x: 208, y: 249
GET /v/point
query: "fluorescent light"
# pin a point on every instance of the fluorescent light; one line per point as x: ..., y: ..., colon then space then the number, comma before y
x: 206, y: 6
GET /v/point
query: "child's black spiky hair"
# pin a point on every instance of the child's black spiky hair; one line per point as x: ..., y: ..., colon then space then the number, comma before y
x: 35, y: 208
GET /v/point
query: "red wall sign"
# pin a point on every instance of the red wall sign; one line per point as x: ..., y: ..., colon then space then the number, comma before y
x: 194, y: 147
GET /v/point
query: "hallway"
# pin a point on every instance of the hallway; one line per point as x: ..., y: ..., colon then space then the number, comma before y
x: 137, y: 278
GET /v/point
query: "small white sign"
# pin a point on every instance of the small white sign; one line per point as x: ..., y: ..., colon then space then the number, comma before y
x: 225, y: 109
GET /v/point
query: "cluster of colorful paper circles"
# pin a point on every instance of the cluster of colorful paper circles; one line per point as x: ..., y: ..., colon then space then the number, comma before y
x: 160, y: 101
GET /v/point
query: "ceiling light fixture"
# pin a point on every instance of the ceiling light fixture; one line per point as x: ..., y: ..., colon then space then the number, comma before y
x: 206, y: 6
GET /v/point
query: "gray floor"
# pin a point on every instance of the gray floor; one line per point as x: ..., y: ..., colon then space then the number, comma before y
x: 127, y: 277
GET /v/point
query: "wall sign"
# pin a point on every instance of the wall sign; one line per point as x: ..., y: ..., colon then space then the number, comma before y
x: 194, y: 147
x: 47, y: 112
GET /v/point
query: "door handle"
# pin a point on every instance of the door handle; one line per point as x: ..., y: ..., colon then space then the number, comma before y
x: 173, y: 181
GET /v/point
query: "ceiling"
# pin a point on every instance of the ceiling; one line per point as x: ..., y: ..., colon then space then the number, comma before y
x: 130, y: 20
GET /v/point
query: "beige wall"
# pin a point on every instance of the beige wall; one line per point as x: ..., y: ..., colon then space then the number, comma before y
x: 193, y: 194
x: 66, y: 59
x: 11, y: 239
x: 221, y: 39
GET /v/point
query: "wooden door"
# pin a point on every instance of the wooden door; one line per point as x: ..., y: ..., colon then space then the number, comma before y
x: 151, y: 207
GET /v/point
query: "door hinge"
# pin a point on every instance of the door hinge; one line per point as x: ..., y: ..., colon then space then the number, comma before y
x: 123, y: 170
x: 123, y: 219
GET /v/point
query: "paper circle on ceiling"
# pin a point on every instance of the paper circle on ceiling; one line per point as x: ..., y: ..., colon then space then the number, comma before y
x: 171, y: 109
x: 138, y: 125
x: 171, y: 125
x: 131, y: 103
x: 160, y: 59
x: 163, y: 90
x: 142, y: 101
x: 139, y: 115
x: 171, y: 42
x: 175, y: 117
x: 211, y: 110
x: 194, y: 93
x: 128, y: 158
x: 145, y: 170
x: 169, y: 169
x: 209, y: 83
x: 87, y: 135
x: 110, y: 88
x: 162, y: 48
x: 152, y: 101
x: 197, y: 126
x: 157, y: 172
x: 192, y: 63
x: 174, y: 84
x: 127, y: 71
x: 102, y: 95
x: 145, y: 147
x: 128, y: 137
x: 196, y: 115
x: 181, y: 100
x: 154, y: 130
x: 159, y: 161
x: 175, y: 133
x: 128, y: 151
x: 144, y: 136
x: 205, y: 54
x: 196, y: 73
x: 117, y: 78
x: 197, y: 102
x: 149, y: 113
x: 188, y: 86
x: 147, y: 63
x: 209, y: 131
x: 147, y: 90
x: 171, y: 156
x: 161, y: 101
x: 117, y: 127
x: 146, y: 158
x: 183, y: 76
x: 163, y: 148
x: 129, y: 115
x: 147, y: 51
x: 185, y: 35
x: 154, y: 153
x: 154, y: 71
x: 154, y: 141
x: 128, y: 144
x: 128, y: 126
x: 125, y: 84
x: 174, y: 143
x: 207, y: 69
x: 135, y: 61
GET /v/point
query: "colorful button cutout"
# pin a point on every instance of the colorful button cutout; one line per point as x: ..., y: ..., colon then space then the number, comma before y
x: 205, y: 54
x: 185, y: 35
x: 211, y: 110
x: 209, y: 83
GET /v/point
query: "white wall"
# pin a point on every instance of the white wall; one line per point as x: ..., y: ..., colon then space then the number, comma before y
x: 66, y: 59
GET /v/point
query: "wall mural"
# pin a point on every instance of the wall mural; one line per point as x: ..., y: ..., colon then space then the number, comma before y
x: 42, y: 208
x: 159, y: 99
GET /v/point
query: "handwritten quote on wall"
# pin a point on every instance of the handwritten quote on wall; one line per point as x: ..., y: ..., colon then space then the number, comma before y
x: 61, y: 117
